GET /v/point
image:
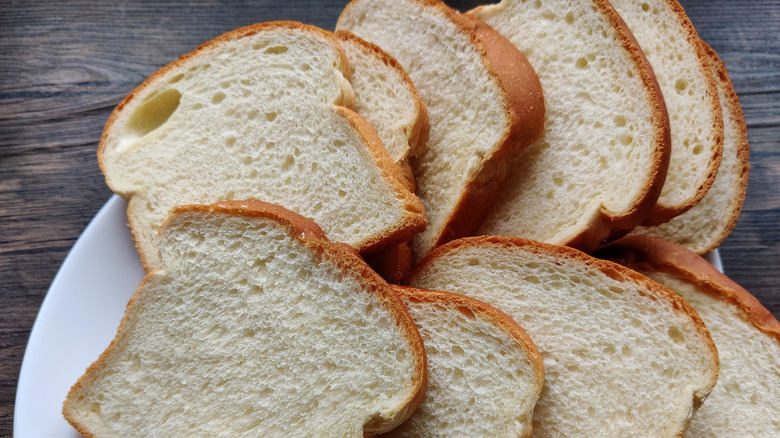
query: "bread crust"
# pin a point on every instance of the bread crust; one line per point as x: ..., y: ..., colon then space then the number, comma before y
x: 310, y: 235
x: 652, y: 254
x: 494, y: 315
x: 412, y: 224
x: 607, y: 225
x: 648, y: 288
x: 524, y: 108
x: 418, y: 132
x: 663, y: 213
x: 743, y: 148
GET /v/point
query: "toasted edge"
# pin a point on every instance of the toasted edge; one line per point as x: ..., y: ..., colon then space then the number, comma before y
x: 312, y: 236
x: 492, y: 314
x: 647, y: 253
x: 663, y: 213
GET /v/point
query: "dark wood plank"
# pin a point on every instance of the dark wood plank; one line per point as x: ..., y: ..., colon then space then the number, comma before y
x: 65, y: 65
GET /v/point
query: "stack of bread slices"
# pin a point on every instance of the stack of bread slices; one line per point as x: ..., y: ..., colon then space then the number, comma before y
x: 474, y: 160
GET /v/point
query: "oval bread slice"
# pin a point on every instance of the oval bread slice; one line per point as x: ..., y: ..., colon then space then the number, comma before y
x: 682, y: 67
x: 256, y: 325
x: 258, y: 113
x: 746, y: 399
x: 623, y: 356
x: 484, y: 104
x: 485, y: 373
x: 702, y: 228
x: 599, y: 167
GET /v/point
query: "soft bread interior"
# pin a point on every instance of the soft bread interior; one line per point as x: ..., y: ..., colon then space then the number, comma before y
x: 485, y: 374
x: 623, y: 357
x: 603, y: 136
x: 747, y: 395
x: 255, y: 115
x: 464, y: 101
x: 252, y: 329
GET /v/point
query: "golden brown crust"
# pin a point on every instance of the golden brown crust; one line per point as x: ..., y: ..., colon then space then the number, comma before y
x: 418, y: 133
x: 737, y: 123
x: 663, y: 213
x: 524, y: 107
x: 394, y: 263
x: 607, y: 225
x: 487, y: 312
x: 309, y: 234
x: 415, y: 221
x: 651, y: 254
x: 615, y: 271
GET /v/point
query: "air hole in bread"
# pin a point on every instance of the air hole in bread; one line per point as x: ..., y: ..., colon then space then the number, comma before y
x: 645, y: 7
x: 270, y: 116
x: 698, y: 149
x: 676, y: 335
x: 626, y: 140
x: 581, y: 63
x: 176, y: 78
x: 154, y: 113
x: 276, y: 50
x: 252, y: 114
x: 218, y: 97
x: 620, y: 121
x: 569, y: 18
x: 680, y: 85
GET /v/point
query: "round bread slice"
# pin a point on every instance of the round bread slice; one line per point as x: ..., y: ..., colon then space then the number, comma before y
x: 599, y: 167
x: 746, y: 400
x: 702, y: 228
x: 682, y: 67
x: 258, y: 113
x: 256, y: 325
x: 484, y: 104
x: 623, y: 356
x: 485, y: 373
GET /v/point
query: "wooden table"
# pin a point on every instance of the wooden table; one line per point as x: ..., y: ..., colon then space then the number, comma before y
x: 65, y: 65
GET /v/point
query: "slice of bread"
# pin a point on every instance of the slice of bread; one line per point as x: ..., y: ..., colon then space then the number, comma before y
x: 386, y: 97
x: 256, y: 325
x: 623, y: 356
x: 485, y: 372
x: 484, y: 103
x: 599, y: 167
x: 681, y: 64
x: 746, y: 400
x: 257, y: 113
x: 702, y: 228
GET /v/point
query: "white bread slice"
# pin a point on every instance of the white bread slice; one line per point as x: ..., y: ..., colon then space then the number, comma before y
x: 385, y: 96
x: 623, y: 356
x: 256, y: 325
x: 599, y: 167
x: 257, y: 113
x: 702, y: 228
x: 484, y: 103
x: 682, y: 67
x: 746, y: 400
x: 485, y: 373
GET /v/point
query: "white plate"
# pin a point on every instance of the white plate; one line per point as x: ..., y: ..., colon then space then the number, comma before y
x: 79, y: 318
x: 77, y: 321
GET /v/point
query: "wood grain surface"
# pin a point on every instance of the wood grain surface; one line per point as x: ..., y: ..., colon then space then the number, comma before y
x: 65, y: 65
